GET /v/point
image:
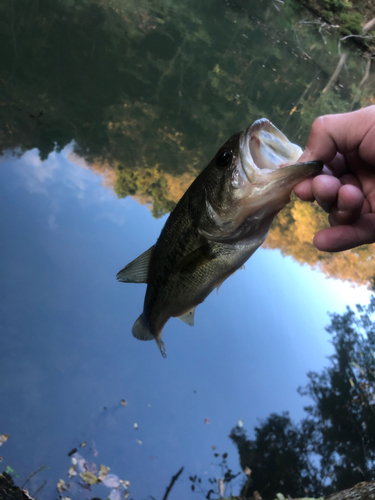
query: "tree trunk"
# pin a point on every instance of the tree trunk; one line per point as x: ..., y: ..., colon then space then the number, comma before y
x: 361, y: 491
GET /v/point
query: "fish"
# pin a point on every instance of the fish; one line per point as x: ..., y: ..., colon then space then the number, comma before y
x: 220, y: 221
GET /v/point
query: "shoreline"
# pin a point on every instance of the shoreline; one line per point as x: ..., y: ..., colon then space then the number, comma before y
x: 356, y: 22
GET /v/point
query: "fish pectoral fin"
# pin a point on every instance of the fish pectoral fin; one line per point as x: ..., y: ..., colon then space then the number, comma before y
x: 188, y: 317
x: 140, y: 331
x: 137, y: 270
x: 195, y: 259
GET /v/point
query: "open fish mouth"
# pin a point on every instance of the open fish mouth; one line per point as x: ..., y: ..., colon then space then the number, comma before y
x: 264, y: 149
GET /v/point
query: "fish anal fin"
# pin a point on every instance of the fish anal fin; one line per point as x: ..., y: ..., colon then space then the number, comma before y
x: 188, y: 317
x: 140, y: 331
x: 195, y: 259
x: 137, y: 270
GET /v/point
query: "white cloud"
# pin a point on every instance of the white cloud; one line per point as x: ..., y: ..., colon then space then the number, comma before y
x: 37, y: 174
x: 63, y: 174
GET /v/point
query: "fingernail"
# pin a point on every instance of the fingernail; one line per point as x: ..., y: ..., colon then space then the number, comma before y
x: 306, y: 156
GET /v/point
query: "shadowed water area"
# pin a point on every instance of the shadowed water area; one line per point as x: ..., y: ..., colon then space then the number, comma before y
x: 108, y: 111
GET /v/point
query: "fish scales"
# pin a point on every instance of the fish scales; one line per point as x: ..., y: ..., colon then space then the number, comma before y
x: 220, y: 221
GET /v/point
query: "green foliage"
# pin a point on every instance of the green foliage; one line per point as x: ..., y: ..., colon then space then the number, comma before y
x: 216, y: 486
x: 278, y: 458
x: 337, y: 5
x: 333, y: 448
x: 11, y: 471
x: 343, y: 414
x: 204, y: 80
x: 346, y: 15
x: 351, y: 22
x: 130, y: 182
x: 157, y: 86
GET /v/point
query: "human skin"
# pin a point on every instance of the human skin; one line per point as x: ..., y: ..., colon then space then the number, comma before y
x: 346, y: 188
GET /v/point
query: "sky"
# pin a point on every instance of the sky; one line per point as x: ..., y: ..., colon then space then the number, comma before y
x: 68, y: 357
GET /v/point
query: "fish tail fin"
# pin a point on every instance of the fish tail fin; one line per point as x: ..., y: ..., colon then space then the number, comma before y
x: 141, y: 331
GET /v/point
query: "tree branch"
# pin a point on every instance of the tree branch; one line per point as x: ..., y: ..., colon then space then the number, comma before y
x: 173, y: 480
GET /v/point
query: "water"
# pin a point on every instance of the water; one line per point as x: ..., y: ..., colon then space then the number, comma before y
x: 133, y: 99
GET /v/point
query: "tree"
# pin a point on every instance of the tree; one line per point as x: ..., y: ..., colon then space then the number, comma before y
x: 333, y: 448
x: 278, y: 458
x: 343, y: 411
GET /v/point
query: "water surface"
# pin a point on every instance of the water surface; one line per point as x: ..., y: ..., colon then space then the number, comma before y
x: 108, y: 112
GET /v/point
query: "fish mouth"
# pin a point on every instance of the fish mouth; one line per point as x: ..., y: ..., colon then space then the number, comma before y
x: 264, y: 149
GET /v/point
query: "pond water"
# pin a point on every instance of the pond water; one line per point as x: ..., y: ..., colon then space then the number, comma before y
x: 108, y: 111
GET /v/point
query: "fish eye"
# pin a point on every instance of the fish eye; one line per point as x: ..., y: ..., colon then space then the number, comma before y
x: 224, y: 158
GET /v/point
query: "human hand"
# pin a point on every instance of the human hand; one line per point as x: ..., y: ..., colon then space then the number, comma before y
x: 346, y: 189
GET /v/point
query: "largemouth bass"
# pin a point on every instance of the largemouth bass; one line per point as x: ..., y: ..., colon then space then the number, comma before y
x: 220, y: 221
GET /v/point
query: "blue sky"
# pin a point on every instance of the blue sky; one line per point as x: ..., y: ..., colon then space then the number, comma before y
x: 67, y: 350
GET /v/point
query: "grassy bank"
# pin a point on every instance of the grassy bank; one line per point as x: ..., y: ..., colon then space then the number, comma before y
x: 352, y: 17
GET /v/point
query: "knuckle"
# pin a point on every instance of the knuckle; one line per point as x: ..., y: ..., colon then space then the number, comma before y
x: 318, y: 123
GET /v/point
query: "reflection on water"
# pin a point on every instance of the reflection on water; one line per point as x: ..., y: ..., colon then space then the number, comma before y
x: 163, y: 90
x: 136, y: 97
x: 338, y: 426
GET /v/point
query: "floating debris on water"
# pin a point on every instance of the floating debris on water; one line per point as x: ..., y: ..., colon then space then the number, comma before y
x: 3, y: 438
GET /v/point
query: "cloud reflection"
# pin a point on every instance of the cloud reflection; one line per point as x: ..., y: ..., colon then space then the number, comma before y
x: 63, y: 173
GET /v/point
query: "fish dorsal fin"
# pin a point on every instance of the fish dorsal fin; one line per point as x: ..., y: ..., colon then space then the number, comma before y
x: 188, y: 317
x: 140, y: 330
x: 137, y: 270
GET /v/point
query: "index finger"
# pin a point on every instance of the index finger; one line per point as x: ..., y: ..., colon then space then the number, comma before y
x: 342, y: 133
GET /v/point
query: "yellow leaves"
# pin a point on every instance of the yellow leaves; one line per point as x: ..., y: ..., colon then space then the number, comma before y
x: 3, y: 438
x: 306, y: 221
x: 293, y: 232
x: 89, y: 477
x: 88, y: 473
x: 103, y: 472
x: 172, y: 136
x: 72, y: 471
x: 177, y: 185
x: 61, y: 486
x: 356, y: 365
